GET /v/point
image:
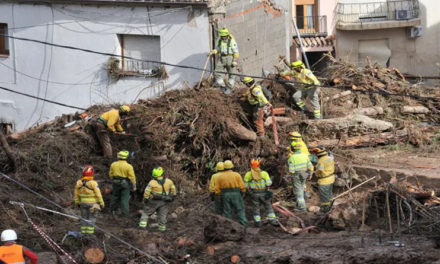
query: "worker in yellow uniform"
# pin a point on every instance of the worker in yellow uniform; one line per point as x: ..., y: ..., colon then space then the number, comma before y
x: 325, y: 170
x: 227, y: 48
x: 258, y: 101
x: 109, y: 122
x: 124, y: 180
x: 217, y: 202
x: 230, y: 187
x: 159, y: 193
x: 257, y: 183
x: 299, y: 164
x: 89, y: 198
x: 296, y: 138
x: 307, y: 89
x: 13, y: 253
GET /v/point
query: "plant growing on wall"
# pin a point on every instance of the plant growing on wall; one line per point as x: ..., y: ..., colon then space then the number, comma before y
x: 114, y: 72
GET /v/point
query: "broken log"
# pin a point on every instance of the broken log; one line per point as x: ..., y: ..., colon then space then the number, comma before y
x: 240, y: 132
x: 370, y: 111
x: 27, y: 132
x: 8, y: 151
x: 94, y: 255
x: 349, y: 126
x: 220, y: 229
x: 280, y: 120
x: 336, y: 96
x: 414, y: 110
x: 367, y: 140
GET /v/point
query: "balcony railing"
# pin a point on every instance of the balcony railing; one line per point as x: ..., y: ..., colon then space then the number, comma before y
x: 311, y: 26
x: 377, y: 11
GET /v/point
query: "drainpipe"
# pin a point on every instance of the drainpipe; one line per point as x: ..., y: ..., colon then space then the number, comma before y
x: 301, y: 44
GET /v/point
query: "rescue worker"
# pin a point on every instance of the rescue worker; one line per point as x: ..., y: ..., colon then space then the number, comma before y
x: 12, y: 253
x: 299, y: 165
x: 297, y: 138
x: 217, y: 202
x: 257, y: 183
x: 325, y: 170
x: 227, y: 48
x: 257, y: 100
x: 308, y: 89
x: 89, y: 198
x: 109, y: 121
x: 158, y: 194
x: 124, y: 180
x: 230, y: 186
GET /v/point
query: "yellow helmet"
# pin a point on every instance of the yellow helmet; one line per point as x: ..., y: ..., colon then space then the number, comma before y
x: 157, y: 172
x: 224, y: 32
x: 296, y: 145
x: 220, y: 166
x: 295, y: 136
x: 297, y: 64
x: 228, y: 165
x: 125, y: 109
x: 123, y: 154
x: 247, y: 80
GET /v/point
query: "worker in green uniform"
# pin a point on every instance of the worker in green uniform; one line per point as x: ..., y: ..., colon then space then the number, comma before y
x: 217, y: 201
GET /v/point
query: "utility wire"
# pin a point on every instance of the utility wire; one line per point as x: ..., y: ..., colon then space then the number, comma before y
x: 100, y: 229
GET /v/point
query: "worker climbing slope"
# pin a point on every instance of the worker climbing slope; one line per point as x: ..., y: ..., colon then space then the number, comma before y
x: 124, y: 180
x: 230, y: 187
x: 89, y: 198
x: 158, y: 194
x: 217, y: 201
x: 308, y: 89
x: 258, y: 101
x: 257, y: 183
x: 227, y: 48
x: 13, y: 253
x: 325, y: 170
x: 109, y: 122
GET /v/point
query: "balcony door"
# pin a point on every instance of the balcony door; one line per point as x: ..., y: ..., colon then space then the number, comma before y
x: 306, y: 15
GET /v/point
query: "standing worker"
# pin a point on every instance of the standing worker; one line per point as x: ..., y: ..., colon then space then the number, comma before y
x: 12, y: 253
x: 325, y: 170
x: 299, y: 165
x: 257, y: 100
x: 159, y: 193
x: 228, y: 49
x: 307, y: 89
x: 229, y: 186
x: 124, y: 180
x: 88, y: 197
x: 217, y: 202
x: 109, y: 121
x: 296, y: 137
x: 257, y: 183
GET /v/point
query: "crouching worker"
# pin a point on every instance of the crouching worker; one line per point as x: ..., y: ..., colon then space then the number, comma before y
x: 11, y: 252
x: 257, y: 182
x: 325, y: 170
x: 89, y: 198
x: 158, y: 194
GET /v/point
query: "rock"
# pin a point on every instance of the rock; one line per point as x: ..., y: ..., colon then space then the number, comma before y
x: 47, y: 258
x: 179, y: 210
x: 151, y: 248
x: 174, y: 216
x: 184, y: 241
x: 313, y: 208
x: 219, y: 228
x: 252, y: 231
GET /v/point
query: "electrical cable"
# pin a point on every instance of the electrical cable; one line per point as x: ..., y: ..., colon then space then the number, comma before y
x: 207, y: 70
x: 100, y: 229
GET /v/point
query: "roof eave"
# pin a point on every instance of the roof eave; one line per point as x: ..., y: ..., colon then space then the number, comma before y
x: 109, y: 2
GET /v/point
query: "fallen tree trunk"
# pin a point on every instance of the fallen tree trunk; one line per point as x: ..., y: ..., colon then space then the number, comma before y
x: 336, y: 96
x: 280, y: 120
x: 25, y: 133
x: 240, y: 132
x: 367, y: 140
x: 370, y: 111
x: 8, y: 151
x: 414, y: 110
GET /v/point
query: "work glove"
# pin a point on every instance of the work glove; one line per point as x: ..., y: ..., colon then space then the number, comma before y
x: 102, y: 206
x: 212, y: 52
x: 212, y: 197
x: 268, y: 195
x: 145, y: 201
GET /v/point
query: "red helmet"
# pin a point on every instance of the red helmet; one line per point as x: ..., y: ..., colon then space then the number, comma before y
x: 255, y: 163
x: 88, y: 171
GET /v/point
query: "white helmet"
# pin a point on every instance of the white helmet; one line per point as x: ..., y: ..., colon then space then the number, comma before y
x: 9, y: 235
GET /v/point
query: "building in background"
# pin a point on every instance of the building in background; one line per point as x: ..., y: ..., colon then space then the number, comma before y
x: 179, y: 32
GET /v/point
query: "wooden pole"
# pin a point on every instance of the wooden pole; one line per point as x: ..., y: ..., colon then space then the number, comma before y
x: 8, y: 151
x: 203, y: 73
x: 389, y: 211
x: 344, y: 193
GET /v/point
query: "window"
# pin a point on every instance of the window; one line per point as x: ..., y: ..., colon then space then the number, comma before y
x: 144, y: 47
x: 4, y: 41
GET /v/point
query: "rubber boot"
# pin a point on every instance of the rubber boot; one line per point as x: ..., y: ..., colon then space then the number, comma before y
x: 257, y: 224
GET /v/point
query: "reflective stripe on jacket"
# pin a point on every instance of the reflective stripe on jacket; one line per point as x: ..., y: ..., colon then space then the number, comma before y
x: 12, y: 254
x: 123, y: 169
x: 299, y: 162
x: 111, y: 119
x: 227, y: 47
x: 229, y: 180
x: 87, y: 191
x: 256, y: 96
x: 305, y: 76
x: 261, y: 184
x: 155, y: 188
x: 325, y: 169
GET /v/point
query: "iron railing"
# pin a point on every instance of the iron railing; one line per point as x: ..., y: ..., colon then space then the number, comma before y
x: 311, y: 25
x: 141, y: 67
x: 377, y: 11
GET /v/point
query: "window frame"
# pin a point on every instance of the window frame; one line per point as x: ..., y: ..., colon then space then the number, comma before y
x: 4, y: 45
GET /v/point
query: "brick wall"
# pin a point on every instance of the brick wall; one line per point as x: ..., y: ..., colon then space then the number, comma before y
x: 261, y: 33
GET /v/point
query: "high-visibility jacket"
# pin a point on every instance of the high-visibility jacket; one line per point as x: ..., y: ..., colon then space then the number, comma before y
x: 304, y: 148
x: 87, y: 191
x: 325, y: 169
x: 299, y: 162
x: 12, y: 253
x: 123, y: 169
x: 305, y: 76
x: 230, y: 181
x: 111, y: 120
x: 261, y: 184
x: 155, y: 188
x: 227, y: 47
x: 212, y: 182
x: 256, y: 96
